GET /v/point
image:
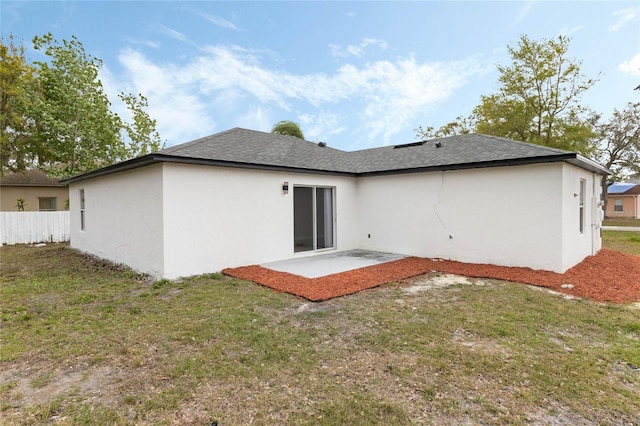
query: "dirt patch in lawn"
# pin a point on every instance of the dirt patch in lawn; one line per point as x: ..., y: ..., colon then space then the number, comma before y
x: 609, y: 276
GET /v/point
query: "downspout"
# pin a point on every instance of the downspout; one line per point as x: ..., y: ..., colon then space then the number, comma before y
x: 594, y: 215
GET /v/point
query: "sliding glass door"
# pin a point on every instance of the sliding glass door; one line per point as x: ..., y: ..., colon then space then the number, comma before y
x: 313, y: 217
x: 324, y: 218
x: 303, y: 213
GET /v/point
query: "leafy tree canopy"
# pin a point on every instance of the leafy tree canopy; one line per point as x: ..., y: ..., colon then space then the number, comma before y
x: 288, y: 128
x: 17, y: 83
x: 57, y: 116
x: 538, y: 100
x: 619, y: 141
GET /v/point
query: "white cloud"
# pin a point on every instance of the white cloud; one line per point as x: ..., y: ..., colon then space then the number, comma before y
x: 524, y: 11
x: 173, y: 33
x: 321, y: 125
x: 395, y: 92
x: 257, y: 118
x: 356, y: 50
x: 632, y: 66
x: 374, y: 101
x: 624, y: 17
x: 147, y: 43
x: 223, y: 23
x: 572, y: 30
x: 180, y: 113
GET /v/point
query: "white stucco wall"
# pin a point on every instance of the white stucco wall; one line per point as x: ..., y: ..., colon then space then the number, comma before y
x: 576, y: 245
x: 123, y: 214
x: 172, y: 220
x: 224, y: 217
x: 507, y: 216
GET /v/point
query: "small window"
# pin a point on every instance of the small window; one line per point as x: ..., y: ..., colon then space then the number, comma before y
x: 583, y: 189
x: 47, y: 204
x: 617, y: 205
x: 82, y: 210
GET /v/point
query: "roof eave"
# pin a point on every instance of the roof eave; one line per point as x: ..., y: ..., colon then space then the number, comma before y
x: 163, y: 158
x: 571, y: 158
x: 590, y: 165
x: 114, y: 168
x: 477, y: 165
x: 254, y: 166
x: 47, y: 185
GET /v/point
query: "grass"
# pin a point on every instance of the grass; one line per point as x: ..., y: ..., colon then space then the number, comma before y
x: 621, y: 222
x: 87, y: 342
x: 624, y: 241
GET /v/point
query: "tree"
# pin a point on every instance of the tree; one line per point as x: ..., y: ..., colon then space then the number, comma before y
x: 537, y: 101
x: 142, y: 133
x: 619, y: 142
x: 16, y: 83
x: 461, y: 126
x: 70, y: 126
x: 288, y: 128
x: 74, y: 125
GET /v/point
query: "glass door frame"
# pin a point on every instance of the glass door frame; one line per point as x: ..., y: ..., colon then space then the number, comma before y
x: 314, y: 218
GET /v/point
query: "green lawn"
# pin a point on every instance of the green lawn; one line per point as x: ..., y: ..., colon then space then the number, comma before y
x: 624, y: 241
x: 621, y: 222
x: 85, y: 342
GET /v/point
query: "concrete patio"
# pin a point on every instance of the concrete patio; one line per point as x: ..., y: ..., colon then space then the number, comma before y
x: 331, y: 263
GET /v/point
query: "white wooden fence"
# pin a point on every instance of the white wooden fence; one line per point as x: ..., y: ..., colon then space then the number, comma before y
x: 34, y: 227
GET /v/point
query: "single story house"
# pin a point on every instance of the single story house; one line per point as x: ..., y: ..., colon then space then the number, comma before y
x: 244, y: 197
x: 39, y: 192
x: 623, y: 200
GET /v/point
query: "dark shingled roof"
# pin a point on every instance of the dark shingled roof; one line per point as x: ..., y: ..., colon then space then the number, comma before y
x: 452, y: 152
x: 259, y: 148
x: 252, y: 149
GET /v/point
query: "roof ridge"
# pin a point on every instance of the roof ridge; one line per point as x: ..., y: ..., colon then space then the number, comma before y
x: 177, y: 147
x: 465, y: 135
x: 239, y: 146
x: 188, y: 144
x: 534, y: 145
x: 291, y: 138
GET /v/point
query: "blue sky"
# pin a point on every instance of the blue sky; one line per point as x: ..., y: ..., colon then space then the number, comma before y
x: 352, y: 74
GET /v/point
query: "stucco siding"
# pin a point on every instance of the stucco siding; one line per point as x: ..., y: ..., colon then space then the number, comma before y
x: 9, y: 196
x: 172, y: 220
x: 123, y: 218
x: 219, y: 217
x: 579, y: 244
x: 395, y: 213
x: 505, y: 215
x: 630, y: 206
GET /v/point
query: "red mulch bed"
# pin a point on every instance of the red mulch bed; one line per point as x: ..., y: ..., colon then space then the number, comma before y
x: 609, y: 276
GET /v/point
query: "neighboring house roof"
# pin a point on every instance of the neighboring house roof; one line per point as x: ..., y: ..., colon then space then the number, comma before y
x: 623, y: 189
x: 32, y: 177
x: 252, y: 149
